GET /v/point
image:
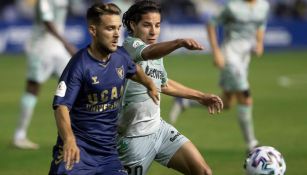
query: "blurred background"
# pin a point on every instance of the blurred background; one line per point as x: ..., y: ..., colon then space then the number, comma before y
x: 279, y: 85
x: 184, y: 18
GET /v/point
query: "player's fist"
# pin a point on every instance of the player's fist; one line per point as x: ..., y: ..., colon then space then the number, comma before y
x: 191, y: 44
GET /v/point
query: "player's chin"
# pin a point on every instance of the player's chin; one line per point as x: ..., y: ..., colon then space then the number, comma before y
x: 113, y: 47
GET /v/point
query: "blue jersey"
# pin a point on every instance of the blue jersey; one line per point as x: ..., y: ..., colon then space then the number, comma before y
x: 92, y: 90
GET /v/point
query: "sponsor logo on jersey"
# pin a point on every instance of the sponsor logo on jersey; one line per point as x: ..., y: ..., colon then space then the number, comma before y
x: 95, y: 80
x: 61, y: 89
x: 154, y: 73
x: 172, y: 139
x: 120, y: 72
x: 137, y: 43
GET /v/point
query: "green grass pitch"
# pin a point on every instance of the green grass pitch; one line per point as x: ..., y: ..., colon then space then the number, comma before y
x: 278, y: 85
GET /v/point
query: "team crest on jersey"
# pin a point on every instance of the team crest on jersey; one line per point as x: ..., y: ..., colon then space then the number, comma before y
x: 136, y: 43
x: 120, y: 72
x: 95, y: 81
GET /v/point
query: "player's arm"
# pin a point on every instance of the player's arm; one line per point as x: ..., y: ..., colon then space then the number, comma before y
x: 213, y: 102
x: 218, y: 56
x: 158, y: 50
x: 259, y: 42
x: 52, y: 29
x: 70, y: 150
x: 143, y: 79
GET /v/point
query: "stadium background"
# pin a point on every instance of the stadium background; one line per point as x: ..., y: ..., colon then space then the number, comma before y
x: 279, y: 84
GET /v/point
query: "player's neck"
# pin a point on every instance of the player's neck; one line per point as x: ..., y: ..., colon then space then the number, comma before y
x: 98, y: 55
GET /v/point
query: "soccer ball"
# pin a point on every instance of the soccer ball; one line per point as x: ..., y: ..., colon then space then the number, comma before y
x: 265, y: 160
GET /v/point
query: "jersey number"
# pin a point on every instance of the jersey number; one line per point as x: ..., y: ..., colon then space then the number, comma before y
x: 138, y: 170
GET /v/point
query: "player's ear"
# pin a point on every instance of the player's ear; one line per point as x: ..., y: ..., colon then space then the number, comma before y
x: 92, y: 30
x: 132, y: 25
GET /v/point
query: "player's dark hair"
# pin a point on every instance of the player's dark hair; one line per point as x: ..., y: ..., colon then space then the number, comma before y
x: 135, y: 12
x: 98, y: 9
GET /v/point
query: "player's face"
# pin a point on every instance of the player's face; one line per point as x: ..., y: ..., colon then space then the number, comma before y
x: 148, y: 29
x: 107, y: 32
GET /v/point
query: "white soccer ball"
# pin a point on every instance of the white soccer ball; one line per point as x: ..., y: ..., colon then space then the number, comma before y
x: 265, y: 160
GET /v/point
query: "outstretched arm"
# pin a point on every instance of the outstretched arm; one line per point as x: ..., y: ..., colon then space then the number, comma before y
x: 213, y: 102
x: 158, y: 50
x: 143, y: 79
x: 70, y: 149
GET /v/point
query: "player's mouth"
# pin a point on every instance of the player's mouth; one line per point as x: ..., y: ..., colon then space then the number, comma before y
x: 114, y: 43
x: 151, y: 41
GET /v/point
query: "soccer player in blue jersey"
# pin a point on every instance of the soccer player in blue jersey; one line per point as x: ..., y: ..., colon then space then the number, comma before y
x: 88, y: 98
x: 144, y: 135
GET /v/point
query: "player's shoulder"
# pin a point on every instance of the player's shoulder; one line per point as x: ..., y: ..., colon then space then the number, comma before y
x: 122, y: 51
x: 122, y: 54
x: 77, y: 60
x: 233, y: 4
x: 264, y: 4
x: 133, y: 42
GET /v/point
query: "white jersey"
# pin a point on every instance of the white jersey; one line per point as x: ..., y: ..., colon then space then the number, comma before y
x: 140, y: 115
x: 241, y: 20
x: 49, y: 10
x: 46, y: 54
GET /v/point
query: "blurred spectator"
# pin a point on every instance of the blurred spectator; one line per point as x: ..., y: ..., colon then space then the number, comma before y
x: 283, y: 8
x: 300, y: 9
x: 179, y: 11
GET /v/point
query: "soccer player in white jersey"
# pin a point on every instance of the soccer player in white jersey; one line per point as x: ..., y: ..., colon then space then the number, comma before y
x: 144, y: 135
x: 48, y: 53
x: 244, y: 24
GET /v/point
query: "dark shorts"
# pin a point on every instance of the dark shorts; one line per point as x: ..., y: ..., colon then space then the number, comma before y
x: 88, y: 164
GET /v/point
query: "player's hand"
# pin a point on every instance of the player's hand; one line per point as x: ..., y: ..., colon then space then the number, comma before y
x: 191, y: 44
x: 154, y: 94
x: 71, y: 49
x: 219, y: 60
x: 258, y: 50
x: 213, y: 102
x: 71, y: 153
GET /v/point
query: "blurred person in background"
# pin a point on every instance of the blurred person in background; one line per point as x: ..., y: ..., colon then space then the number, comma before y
x: 48, y: 52
x: 144, y: 136
x: 244, y: 23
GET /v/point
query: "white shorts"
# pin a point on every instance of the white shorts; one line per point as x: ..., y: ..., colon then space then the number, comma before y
x: 137, y: 153
x: 234, y: 77
x: 46, y: 57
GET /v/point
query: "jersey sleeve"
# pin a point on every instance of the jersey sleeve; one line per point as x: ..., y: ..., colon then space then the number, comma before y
x: 222, y: 17
x: 69, y: 85
x: 45, y: 10
x: 263, y: 24
x: 164, y: 77
x: 134, y: 47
